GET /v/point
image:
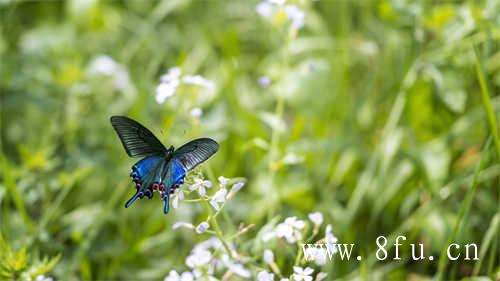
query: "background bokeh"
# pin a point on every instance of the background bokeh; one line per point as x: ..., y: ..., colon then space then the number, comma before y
x: 371, y: 113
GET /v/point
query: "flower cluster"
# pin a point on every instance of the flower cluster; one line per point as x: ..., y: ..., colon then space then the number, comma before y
x: 299, y: 274
x: 218, y: 255
x: 170, y: 81
x: 205, y: 260
x: 292, y: 230
x: 271, y: 9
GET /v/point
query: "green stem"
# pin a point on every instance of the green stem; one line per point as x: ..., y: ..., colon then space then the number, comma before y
x: 488, y: 107
x: 213, y: 220
x: 299, y: 253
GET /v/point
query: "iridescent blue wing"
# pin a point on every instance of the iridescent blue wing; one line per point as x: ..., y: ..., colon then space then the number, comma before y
x: 156, y: 173
x: 173, y: 177
x: 144, y: 173
x: 195, y: 152
x: 136, y: 139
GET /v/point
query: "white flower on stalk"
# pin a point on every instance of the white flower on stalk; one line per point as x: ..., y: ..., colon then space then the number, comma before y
x: 295, y: 15
x: 236, y: 187
x: 268, y: 256
x: 202, y: 227
x: 198, y: 258
x: 174, y: 276
x: 196, y: 112
x: 290, y: 229
x: 236, y: 268
x: 182, y: 224
x: 223, y: 181
x: 329, y: 237
x: 265, y: 276
x: 178, y: 195
x: 200, y: 185
x: 300, y: 273
x: 316, y: 218
x: 219, y: 197
x: 321, y: 276
x: 199, y: 81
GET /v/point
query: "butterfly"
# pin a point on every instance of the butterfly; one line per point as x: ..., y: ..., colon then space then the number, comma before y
x: 161, y: 169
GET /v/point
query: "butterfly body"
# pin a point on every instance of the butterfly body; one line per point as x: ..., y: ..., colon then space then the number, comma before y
x: 161, y: 170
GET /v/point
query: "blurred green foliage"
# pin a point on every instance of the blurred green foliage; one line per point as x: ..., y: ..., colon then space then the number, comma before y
x: 374, y: 116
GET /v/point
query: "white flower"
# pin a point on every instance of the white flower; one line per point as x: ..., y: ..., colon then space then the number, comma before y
x: 196, y: 112
x: 268, y: 256
x: 166, y: 90
x: 302, y: 274
x: 42, y: 277
x: 294, y: 222
x: 317, y: 254
x: 264, y: 9
x: 219, y: 197
x: 223, y: 181
x: 265, y: 276
x: 316, y: 218
x: 173, y: 74
x: 321, y: 276
x: 200, y: 185
x: 104, y: 65
x: 284, y: 279
x: 277, y: 2
x: 198, y: 258
x: 235, y: 267
x: 169, y: 83
x: 268, y: 236
x: 182, y: 224
x: 199, y: 81
x: 238, y: 269
x: 178, y: 195
x: 236, y: 187
x: 264, y: 81
x: 187, y: 276
x: 174, y: 276
x: 202, y: 227
x: 290, y: 229
x: 329, y: 237
x: 295, y: 15
x: 107, y: 66
x: 212, y: 242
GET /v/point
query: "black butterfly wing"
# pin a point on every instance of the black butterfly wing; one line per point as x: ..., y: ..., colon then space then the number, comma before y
x: 136, y: 139
x: 195, y: 152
